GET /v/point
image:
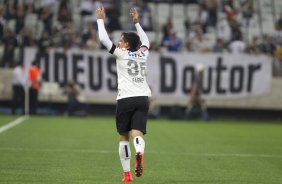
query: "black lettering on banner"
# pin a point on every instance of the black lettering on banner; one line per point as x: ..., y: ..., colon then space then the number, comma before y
x: 76, y: 69
x: 112, y: 81
x: 61, y: 62
x: 188, y: 75
x: 251, y: 70
x: 237, y: 72
x: 95, y: 73
x: 168, y: 63
x: 207, y: 89
x: 219, y: 68
x: 43, y: 60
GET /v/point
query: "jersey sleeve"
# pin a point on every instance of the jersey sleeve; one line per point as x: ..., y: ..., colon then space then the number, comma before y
x: 144, y: 52
x: 103, y: 35
x: 143, y: 37
x: 117, y: 52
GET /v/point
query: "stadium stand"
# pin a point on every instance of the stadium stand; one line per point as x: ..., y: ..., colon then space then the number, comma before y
x: 262, y: 20
x: 69, y: 28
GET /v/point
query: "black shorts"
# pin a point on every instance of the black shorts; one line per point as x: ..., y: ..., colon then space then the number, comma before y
x: 132, y: 113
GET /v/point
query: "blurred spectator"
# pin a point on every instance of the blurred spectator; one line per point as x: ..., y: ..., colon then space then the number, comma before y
x: 278, y: 28
x: 87, y: 34
x: 211, y: 6
x: 278, y: 58
x: 48, y: 3
x: 19, y: 83
x: 202, y: 17
x: 154, y: 46
x: 2, y: 23
x: 196, y: 104
x: 188, y: 46
x: 96, y: 4
x: 44, y: 42
x: 64, y: 14
x: 230, y: 12
x: 29, y: 6
x: 237, y: 46
x: 145, y: 15
x: 72, y: 91
x: 236, y: 32
x: 27, y: 39
x: 195, y: 29
x: 86, y: 7
x: 188, y: 27
x: 46, y: 17
x: 20, y: 16
x: 75, y: 40
x: 11, y: 7
x: 199, y: 43
x: 267, y: 47
x: 166, y: 29
x: 226, y: 3
x: 92, y: 43
x: 66, y: 38
x: 253, y: 47
x: 10, y: 43
x: 55, y: 40
x: 113, y: 19
x: 219, y: 46
x: 34, y: 76
x: 224, y: 29
x: 279, y: 22
x: 173, y: 43
x: 247, y: 8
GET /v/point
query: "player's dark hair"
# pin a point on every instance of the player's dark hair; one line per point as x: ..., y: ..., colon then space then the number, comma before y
x: 132, y: 39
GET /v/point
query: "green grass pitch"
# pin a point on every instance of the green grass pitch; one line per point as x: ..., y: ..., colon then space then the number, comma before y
x: 85, y: 151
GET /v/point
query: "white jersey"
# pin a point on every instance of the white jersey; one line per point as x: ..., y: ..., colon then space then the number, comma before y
x: 132, y: 72
x: 131, y: 66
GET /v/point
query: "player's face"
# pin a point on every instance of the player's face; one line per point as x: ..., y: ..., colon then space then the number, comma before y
x: 122, y: 43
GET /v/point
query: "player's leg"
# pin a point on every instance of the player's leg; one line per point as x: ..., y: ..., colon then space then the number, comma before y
x: 123, y: 121
x: 139, y: 122
x: 139, y: 145
x: 125, y: 155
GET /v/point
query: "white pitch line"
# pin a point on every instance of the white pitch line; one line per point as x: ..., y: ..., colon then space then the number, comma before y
x: 12, y: 124
x: 242, y: 155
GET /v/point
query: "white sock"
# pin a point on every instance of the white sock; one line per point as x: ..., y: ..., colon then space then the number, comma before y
x: 124, y: 155
x: 139, y: 144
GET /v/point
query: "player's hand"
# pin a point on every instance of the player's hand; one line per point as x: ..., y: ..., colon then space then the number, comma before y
x: 134, y: 15
x: 100, y: 12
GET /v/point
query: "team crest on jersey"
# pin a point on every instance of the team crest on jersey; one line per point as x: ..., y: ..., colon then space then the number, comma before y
x: 138, y: 54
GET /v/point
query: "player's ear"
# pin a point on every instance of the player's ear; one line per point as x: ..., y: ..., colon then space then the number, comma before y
x: 127, y: 44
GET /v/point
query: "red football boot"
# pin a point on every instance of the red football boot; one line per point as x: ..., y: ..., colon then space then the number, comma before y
x: 127, y: 177
x: 139, y: 164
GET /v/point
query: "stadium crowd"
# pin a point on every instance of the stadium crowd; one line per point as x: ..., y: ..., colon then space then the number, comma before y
x: 72, y: 24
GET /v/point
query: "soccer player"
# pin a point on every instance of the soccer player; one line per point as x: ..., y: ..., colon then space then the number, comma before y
x: 133, y: 90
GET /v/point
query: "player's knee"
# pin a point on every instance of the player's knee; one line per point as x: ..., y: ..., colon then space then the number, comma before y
x: 135, y: 133
x: 124, y: 137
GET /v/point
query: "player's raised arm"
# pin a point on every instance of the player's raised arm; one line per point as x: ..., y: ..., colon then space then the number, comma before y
x: 143, y: 37
x: 103, y: 35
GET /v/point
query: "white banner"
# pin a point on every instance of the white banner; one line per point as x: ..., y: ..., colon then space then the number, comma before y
x: 169, y: 75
